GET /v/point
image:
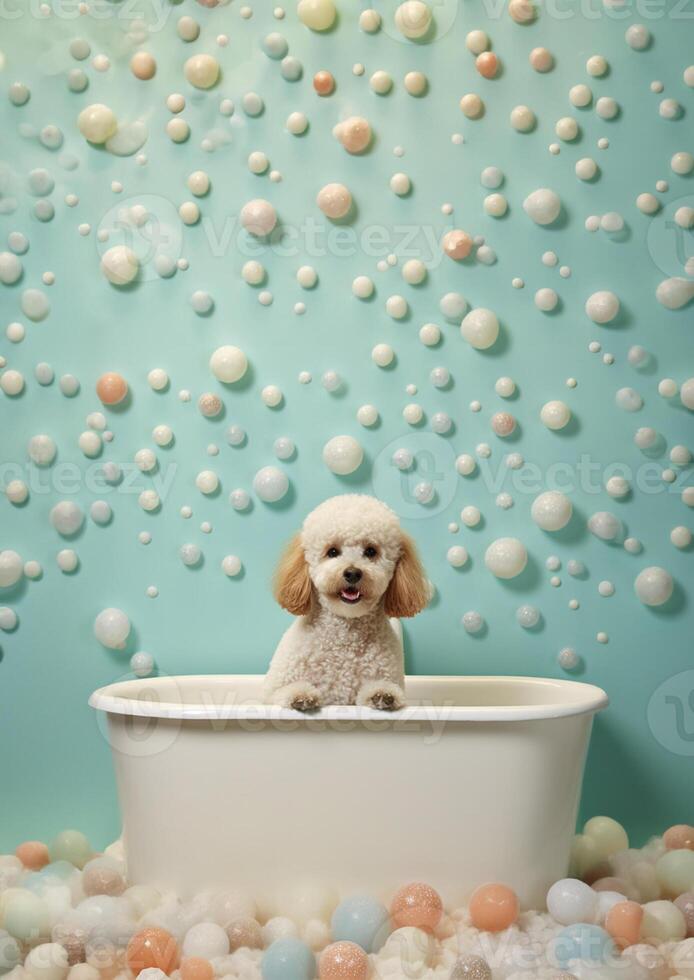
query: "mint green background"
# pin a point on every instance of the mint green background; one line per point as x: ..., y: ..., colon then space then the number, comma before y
x: 54, y: 764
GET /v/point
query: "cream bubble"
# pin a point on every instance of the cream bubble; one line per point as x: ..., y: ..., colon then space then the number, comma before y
x: 362, y: 287
x: 457, y: 556
x: 682, y: 163
x: 606, y: 107
x: 397, y: 307
x: 11, y: 568
x: 618, y: 487
x: 566, y: 128
x: 506, y: 557
x: 120, y: 265
x: 580, y: 96
x: 381, y: 82
x: 296, y: 123
x: 270, y: 484
x: 258, y: 217
x: 638, y: 37
x: 318, y: 15
x: 546, y: 300
x: 586, y: 168
x: 228, y: 364
x: 551, y: 510
x: 480, y: 328
x: 555, y: 415
x: 10, y: 268
x: 675, y: 293
x: 112, y: 628
x: 629, y: 400
x: 202, y: 71
x: 522, y: 119
x: 596, y: 65
x: 334, y: 200
x: 654, y: 586
x: 602, y: 307
x: 369, y: 21
x: 471, y: 105
x: 34, y: 304
x: 605, y: 525
x: 271, y: 396
x: 681, y: 536
x: 382, y: 355
x: 343, y: 455
x: 67, y: 517
x: 97, y: 123
x: 413, y: 19
x: 647, y: 203
x: 687, y: 393
x: 41, y: 450
x: 543, y: 206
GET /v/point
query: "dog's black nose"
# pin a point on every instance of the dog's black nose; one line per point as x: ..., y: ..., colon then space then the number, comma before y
x: 351, y: 575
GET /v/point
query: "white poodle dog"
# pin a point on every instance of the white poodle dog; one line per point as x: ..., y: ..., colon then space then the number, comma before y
x: 344, y: 574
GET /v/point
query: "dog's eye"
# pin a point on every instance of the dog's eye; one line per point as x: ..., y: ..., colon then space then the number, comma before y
x: 370, y: 551
x: 332, y: 553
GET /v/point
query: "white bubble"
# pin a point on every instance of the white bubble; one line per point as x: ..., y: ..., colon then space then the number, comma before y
x: 551, y: 510
x: 506, y: 557
x: 270, y: 484
x: 605, y: 525
x: 654, y: 586
x: 543, y: 206
x: 457, y: 556
x: 231, y: 565
x: 343, y: 455
x: 112, y: 628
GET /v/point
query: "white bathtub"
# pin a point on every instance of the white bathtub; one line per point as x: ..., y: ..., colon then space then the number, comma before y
x: 478, y: 780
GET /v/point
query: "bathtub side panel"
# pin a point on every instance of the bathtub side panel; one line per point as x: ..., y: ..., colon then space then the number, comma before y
x: 365, y: 809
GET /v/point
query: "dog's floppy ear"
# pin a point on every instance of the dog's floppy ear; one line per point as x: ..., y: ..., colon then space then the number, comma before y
x: 292, y: 580
x: 408, y: 592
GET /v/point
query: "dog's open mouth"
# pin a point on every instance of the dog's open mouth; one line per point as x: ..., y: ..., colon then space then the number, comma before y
x: 351, y: 595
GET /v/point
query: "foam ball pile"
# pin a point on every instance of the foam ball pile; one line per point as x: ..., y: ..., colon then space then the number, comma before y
x: 63, y: 908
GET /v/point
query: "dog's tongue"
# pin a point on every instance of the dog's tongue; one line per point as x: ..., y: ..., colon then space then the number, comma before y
x: 350, y: 594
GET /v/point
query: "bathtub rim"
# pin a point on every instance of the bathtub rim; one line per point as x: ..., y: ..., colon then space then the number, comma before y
x: 579, y: 699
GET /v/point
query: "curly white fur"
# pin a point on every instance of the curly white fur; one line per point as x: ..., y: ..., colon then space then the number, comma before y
x: 348, y: 570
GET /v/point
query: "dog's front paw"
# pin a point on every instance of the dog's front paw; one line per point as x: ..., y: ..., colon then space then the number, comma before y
x: 300, y: 696
x: 381, y: 695
x: 305, y: 702
x: 384, y: 701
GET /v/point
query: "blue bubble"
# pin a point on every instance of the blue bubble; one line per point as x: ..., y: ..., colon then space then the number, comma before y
x: 288, y: 959
x: 583, y: 942
x: 362, y: 920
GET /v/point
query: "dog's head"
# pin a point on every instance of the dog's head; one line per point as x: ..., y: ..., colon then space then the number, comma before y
x: 351, y: 554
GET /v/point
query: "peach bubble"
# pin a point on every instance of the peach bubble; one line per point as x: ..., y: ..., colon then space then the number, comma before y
x: 196, y: 968
x: 111, y: 388
x: 679, y: 837
x: 487, y: 64
x: 152, y: 948
x: 323, y: 82
x: 343, y: 961
x: 143, y: 65
x: 457, y: 244
x: 503, y: 423
x: 354, y: 134
x: 417, y: 905
x: 623, y: 922
x: 244, y: 933
x: 494, y: 907
x: 541, y: 59
x: 33, y: 854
